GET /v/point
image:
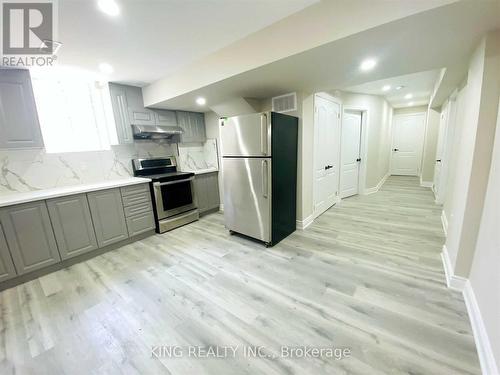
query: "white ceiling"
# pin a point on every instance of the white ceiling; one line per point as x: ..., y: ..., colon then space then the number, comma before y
x: 426, y: 41
x: 153, y: 38
x: 419, y: 85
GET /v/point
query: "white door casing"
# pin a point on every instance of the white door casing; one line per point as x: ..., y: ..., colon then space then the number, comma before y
x: 350, y: 154
x: 326, y: 152
x: 407, y: 144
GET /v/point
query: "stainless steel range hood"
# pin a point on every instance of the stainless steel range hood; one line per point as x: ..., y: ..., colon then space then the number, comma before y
x: 155, y: 131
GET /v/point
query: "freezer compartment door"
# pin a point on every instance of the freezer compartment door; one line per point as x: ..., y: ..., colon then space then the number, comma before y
x: 246, y: 135
x: 247, y: 196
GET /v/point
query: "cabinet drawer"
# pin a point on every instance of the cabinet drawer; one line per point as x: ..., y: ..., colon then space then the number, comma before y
x: 138, y: 209
x: 134, y: 189
x: 141, y: 223
x: 139, y: 198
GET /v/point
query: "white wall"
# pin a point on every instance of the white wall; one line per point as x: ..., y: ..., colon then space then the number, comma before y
x: 472, y: 198
x: 485, y: 272
x: 473, y: 153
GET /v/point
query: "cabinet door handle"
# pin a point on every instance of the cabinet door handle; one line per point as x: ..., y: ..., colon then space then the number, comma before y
x: 264, y: 178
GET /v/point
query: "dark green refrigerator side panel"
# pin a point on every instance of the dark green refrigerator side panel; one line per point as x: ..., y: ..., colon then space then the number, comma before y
x: 284, y: 174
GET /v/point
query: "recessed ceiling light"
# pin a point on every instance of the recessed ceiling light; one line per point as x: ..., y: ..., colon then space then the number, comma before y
x: 386, y: 88
x: 410, y: 103
x: 399, y: 87
x: 201, y: 101
x: 105, y: 68
x: 408, y: 96
x: 110, y: 7
x: 368, y: 64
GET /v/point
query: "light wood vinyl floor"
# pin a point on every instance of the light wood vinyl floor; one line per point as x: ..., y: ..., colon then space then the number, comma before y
x: 366, y: 275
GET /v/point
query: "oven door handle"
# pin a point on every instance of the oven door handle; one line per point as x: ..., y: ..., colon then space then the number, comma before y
x: 155, y: 184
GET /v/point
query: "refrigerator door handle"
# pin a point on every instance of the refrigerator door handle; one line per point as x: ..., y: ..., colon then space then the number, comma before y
x: 264, y: 178
x: 263, y: 133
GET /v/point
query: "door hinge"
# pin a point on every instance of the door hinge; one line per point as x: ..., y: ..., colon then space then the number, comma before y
x: 338, y: 115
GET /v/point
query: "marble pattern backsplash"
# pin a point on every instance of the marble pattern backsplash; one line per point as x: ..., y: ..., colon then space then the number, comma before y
x: 27, y: 170
x: 198, y: 157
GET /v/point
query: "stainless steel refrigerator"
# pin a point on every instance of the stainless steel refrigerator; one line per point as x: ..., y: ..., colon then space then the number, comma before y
x: 259, y: 166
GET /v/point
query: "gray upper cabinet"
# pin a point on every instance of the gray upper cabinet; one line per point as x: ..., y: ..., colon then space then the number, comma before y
x: 29, y: 235
x: 106, y: 209
x: 193, y: 125
x: 120, y: 106
x: 7, y: 270
x: 72, y: 225
x: 19, y: 126
x: 128, y: 110
x: 142, y: 116
x: 165, y: 118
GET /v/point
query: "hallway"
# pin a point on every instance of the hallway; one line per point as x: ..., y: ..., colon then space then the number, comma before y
x: 366, y: 275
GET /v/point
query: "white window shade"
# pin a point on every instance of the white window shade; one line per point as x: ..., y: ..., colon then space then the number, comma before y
x: 75, y: 114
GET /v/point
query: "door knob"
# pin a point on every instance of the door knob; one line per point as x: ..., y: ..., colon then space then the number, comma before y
x: 438, y: 161
x: 396, y: 149
x: 358, y: 159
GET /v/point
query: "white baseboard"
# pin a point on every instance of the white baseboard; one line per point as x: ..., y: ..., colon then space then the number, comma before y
x: 303, y: 224
x: 428, y: 184
x: 483, y: 345
x: 370, y: 190
x: 444, y: 222
x: 376, y: 188
x: 221, y: 207
x: 452, y: 281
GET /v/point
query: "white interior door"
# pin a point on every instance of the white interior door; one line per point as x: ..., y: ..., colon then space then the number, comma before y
x: 440, y: 185
x: 407, y: 144
x: 326, y: 153
x: 443, y: 122
x: 350, y: 156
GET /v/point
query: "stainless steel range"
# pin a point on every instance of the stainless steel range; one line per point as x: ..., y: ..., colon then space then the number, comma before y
x: 172, y: 192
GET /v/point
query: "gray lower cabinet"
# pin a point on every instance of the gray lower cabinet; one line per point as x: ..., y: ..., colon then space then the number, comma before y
x: 138, y: 209
x: 7, y: 269
x: 29, y: 235
x: 19, y: 126
x: 206, y: 188
x: 106, y: 209
x: 140, y: 223
x: 72, y: 225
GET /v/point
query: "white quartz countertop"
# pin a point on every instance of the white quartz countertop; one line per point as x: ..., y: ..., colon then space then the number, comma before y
x: 202, y: 171
x: 36, y: 195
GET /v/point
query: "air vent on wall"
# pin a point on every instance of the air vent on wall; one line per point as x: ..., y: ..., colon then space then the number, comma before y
x: 285, y: 103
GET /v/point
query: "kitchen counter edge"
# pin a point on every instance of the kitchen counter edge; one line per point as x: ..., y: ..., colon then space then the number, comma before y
x: 37, y: 195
